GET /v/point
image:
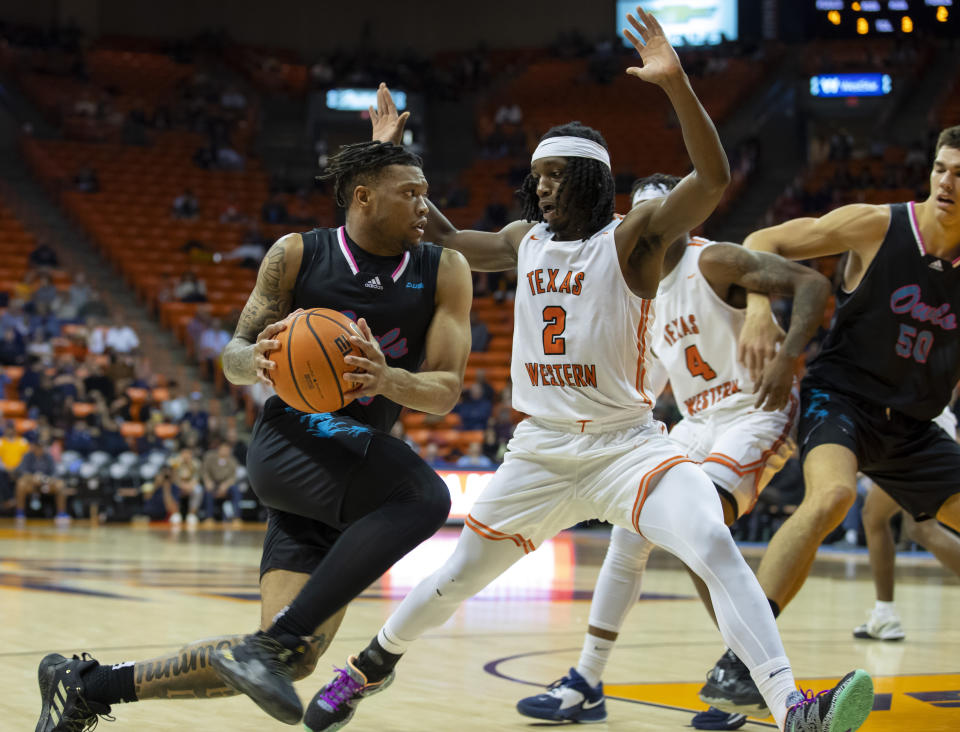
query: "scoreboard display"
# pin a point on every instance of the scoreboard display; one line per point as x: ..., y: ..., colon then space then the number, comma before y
x: 851, y: 18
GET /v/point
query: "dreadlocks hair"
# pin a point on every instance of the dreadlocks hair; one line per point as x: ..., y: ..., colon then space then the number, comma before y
x: 587, y: 190
x: 360, y: 164
x: 657, y: 179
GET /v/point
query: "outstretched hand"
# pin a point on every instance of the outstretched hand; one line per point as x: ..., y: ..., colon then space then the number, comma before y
x: 387, y: 124
x: 660, y: 62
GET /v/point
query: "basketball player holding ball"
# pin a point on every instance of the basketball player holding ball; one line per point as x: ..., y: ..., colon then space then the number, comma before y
x: 346, y: 500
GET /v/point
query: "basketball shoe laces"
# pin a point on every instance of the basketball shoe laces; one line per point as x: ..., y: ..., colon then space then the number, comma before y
x: 85, y: 717
x: 340, y: 690
x: 809, y: 700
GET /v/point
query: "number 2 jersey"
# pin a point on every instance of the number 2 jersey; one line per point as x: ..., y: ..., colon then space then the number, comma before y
x: 582, y: 338
x: 696, y: 339
x: 894, y: 340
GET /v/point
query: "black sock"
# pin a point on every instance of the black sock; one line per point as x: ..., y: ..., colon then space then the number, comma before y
x: 775, y: 607
x: 375, y: 662
x: 285, y: 635
x: 110, y: 684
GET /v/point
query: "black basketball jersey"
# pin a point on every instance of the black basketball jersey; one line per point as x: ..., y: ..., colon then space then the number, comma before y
x: 395, y: 294
x: 894, y: 340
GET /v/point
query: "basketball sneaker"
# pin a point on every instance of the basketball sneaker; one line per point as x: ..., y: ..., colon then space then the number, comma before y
x: 332, y: 707
x: 262, y: 668
x: 731, y: 688
x: 880, y: 626
x: 841, y: 709
x: 568, y: 699
x: 64, y: 708
x: 715, y: 718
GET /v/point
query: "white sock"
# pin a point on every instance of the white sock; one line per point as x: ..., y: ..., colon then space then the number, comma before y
x: 885, y: 609
x: 775, y: 687
x: 390, y: 646
x: 594, y: 657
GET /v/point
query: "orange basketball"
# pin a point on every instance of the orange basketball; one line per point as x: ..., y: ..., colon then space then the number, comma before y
x: 310, y: 366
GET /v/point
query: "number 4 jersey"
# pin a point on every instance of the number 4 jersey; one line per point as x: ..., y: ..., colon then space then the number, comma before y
x: 894, y: 340
x: 696, y: 339
x: 581, y: 338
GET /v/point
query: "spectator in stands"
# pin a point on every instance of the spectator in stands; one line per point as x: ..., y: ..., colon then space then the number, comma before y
x: 37, y: 473
x: 7, y: 495
x: 474, y: 409
x: 187, y: 477
x: 86, y: 180
x: 78, y: 438
x: 162, y: 497
x: 39, y: 345
x: 233, y: 99
x: 196, y: 416
x: 191, y: 288
x: 77, y: 295
x: 399, y: 431
x: 12, y: 446
x: 108, y: 437
x: 44, y: 295
x: 274, y: 211
x: 212, y: 342
x: 231, y: 213
x: 44, y: 256
x: 121, y: 338
x: 492, y: 447
x: 480, y: 379
x: 175, y: 408
x: 479, y: 333
x: 185, y: 206
x: 229, y: 159
x: 13, y: 350
x: 220, y: 483
x: 249, y: 255
x: 94, y: 307
x: 475, y: 458
x: 431, y: 456
x: 98, y: 381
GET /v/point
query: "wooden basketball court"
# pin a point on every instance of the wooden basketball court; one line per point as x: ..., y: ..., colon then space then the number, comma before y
x: 126, y: 593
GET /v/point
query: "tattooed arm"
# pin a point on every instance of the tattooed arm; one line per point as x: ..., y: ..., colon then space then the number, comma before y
x: 244, y: 358
x: 726, y: 265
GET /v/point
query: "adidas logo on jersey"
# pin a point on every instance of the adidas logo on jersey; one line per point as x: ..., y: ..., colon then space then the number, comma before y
x: 374, y: 284
x: 936, y: 264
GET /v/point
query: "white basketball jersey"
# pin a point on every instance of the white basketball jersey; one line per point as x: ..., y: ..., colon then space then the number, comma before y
x: 696, y: 338
x: 581, y: 337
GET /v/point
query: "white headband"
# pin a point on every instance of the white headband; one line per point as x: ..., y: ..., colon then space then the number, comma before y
x: 648, y: 192
x: 571, y: 147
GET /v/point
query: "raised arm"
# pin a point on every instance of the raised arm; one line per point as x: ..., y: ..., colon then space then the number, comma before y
x: 656, y: 224
x: 728, y: 264
x: 263, y: 316
x: 858, y: 229
x: 437, y: 386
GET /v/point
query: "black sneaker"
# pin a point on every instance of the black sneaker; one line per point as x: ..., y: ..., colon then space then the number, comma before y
x: 61, y: 691
x: 332, y: 707
x: 262, y: 668
x: 844, y: 708
x: 730, y: 687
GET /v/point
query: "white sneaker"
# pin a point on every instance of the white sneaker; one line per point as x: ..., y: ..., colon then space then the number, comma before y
x: 880, y: 627
x: 175, y: 519
x: 192, y: 521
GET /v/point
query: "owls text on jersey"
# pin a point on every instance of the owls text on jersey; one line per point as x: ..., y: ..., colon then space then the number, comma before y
x: 696, y: 338
x: 582, y: 338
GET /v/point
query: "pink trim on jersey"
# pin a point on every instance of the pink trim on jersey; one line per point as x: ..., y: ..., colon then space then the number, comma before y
x: 347, y: 254
x: 916, y: 229
x: 402, y: 266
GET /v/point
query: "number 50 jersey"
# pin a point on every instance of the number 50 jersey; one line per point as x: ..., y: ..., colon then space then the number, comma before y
x: 696, y: 339
x: 581, y: 337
